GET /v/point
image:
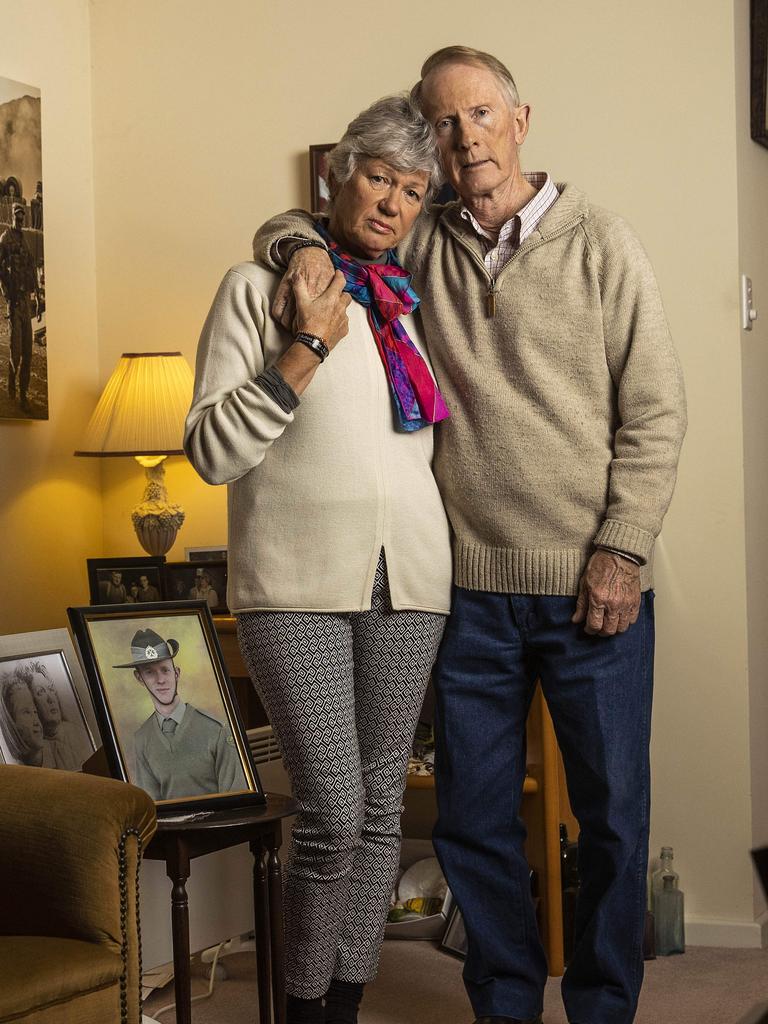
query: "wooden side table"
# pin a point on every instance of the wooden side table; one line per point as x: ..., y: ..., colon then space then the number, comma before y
x: 179, y: 842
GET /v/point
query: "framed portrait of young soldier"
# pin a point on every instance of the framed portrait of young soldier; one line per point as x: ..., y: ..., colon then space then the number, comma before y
x: 168, y: 715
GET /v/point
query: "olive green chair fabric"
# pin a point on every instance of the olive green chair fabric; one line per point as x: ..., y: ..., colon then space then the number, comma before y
x: 70, y: 850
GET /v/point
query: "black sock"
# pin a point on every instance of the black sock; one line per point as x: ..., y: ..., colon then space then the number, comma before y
x: 341, y: 1001
x: 304, y: 1011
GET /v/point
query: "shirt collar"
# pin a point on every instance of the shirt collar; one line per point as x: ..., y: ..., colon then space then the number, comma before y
x: 177, y: 714
x: 529, y: 216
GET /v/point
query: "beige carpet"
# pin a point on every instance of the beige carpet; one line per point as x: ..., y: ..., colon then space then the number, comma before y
x: 418, y: 984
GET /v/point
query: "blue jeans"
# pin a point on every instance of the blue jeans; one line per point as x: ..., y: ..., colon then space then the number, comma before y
x: 599, y: 691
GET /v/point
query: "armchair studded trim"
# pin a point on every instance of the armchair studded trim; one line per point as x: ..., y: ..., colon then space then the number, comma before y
x: 124, y: 927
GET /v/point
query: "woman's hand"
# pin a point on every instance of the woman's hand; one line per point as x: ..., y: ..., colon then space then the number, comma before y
x: 326, y: 315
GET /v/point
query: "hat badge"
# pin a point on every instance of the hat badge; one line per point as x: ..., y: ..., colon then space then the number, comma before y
x: 150, y: 652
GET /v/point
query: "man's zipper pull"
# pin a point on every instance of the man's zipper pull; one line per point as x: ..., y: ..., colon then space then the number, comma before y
x: 490, y: 302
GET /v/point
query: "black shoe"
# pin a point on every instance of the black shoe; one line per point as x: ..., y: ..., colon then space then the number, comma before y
x: 508, y: 1020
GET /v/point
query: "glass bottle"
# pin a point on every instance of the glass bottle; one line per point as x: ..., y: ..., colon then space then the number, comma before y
x: 668, y: 906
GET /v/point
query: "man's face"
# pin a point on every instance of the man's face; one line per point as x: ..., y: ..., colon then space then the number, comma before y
x: 143, y: 582
x: 116, y: 577
x: 478, y: 131
x: 161, y: 679
x: 376, y: 208
x: 18, y: 218
x: 46, y: 701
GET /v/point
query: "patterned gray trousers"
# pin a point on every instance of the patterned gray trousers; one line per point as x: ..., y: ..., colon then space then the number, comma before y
x: 343, y: 693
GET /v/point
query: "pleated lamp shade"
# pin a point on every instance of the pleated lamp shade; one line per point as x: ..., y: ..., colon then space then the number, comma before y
x: 142, y: 408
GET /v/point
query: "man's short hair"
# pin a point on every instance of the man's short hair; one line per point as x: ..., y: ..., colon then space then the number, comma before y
x: 476, y: 59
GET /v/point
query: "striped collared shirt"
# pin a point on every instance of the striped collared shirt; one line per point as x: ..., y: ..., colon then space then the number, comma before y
x: 517, y: 228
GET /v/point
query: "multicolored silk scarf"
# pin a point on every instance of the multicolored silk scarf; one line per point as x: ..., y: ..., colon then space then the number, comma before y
x: 385, y: 289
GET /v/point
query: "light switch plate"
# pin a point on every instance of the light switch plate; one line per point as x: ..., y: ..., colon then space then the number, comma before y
x: 748, y: 312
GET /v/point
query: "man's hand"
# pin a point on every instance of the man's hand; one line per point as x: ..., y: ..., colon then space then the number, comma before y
x: 326, y: 314
x: 609, y: 594
x: 313, y: 267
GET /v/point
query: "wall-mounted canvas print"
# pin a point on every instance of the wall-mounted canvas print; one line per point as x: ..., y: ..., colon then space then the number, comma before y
x: 759, y: 71
x: 166, y: 708
x: 197, y: 581
x: 320, y: 195
x: 46, y: 715
x: 125, y: 580
x: 215, y: 554
x: 23, y: 352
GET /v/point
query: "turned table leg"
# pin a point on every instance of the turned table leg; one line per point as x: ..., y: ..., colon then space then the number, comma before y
x: 177, y: 869
x: 261, y: 930
x: 275, y: 878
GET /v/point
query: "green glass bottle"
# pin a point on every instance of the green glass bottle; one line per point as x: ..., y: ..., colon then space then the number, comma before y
x: 668, y: 907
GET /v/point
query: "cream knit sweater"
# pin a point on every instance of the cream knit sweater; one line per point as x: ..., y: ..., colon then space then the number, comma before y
x: 313, y: 494
x: 568, y: 403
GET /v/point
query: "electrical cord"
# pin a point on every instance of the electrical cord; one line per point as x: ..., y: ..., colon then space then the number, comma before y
x: 203, y: 995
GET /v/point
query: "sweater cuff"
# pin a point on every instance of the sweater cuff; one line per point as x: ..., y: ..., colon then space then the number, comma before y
x: 273, y: 383
x: 623, y: 537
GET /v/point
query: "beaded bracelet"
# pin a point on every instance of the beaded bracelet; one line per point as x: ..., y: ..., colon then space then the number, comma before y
x: 314, y: 342
x: 305, y: 244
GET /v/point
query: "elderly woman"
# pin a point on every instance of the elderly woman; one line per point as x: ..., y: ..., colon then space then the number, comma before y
x: 339, y: 563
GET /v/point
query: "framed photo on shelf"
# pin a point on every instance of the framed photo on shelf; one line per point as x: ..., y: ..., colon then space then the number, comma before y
x: 125, y: 580
x: 197, y: 581
x: 165, y: 704
x: 206, y: 554
x: 46, y: 715
x: 759, y: 71
x: 318, y: 177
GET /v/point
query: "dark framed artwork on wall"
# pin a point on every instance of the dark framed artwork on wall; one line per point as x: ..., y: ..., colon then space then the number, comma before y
x: 759, y: 71
x: 166, y: 709
x: 318, y: 177
x: 23, y: 339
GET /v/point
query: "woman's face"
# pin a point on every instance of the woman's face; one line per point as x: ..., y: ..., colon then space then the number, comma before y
x: 46, y: 702
x: 376, y: 208
x: 26, y: 719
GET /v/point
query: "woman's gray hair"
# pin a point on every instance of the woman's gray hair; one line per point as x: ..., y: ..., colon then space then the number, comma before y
x: 474, y: 58
x: 393, y: 130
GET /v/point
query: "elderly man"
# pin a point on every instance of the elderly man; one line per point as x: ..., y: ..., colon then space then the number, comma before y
x: 547, y: 332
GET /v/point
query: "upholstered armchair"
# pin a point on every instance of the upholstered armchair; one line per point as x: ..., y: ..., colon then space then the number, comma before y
x: 70, y: 849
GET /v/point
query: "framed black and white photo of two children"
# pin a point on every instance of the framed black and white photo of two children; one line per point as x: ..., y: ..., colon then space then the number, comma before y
x: 167, y: 712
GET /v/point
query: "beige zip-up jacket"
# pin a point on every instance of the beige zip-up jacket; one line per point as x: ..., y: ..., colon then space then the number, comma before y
x: 313, y: 494
x: 568, y: 409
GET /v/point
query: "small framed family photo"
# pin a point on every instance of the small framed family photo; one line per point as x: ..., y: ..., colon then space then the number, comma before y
x: 197, y: 581
x: 166, y: 707
x: 47, y: 718
x: 125, y: 580
x: 320, y: 195
x: 206, y: 554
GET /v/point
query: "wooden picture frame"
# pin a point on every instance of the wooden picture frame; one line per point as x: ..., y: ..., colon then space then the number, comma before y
x: 759, y: 71
x: 318, y: 176
x: 147, y: 667
x: 208, y: 554
x: 104, y: 588
x: 198, y: 581
x: 55, y: 725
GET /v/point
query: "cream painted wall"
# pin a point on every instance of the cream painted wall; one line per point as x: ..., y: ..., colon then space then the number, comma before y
x: 202, y: 118
x: 50, y: 502
x: 753, y: 261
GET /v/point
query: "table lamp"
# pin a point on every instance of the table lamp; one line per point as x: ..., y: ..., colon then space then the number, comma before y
x: 141, y: 413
